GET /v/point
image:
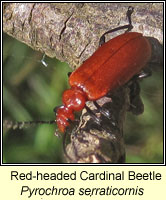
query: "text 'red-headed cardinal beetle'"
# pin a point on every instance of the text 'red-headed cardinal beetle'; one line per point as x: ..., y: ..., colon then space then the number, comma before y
x: 112, y: 65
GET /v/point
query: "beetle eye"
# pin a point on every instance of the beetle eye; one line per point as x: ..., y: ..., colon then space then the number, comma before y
x: 56, y: 108
x: 69, y: 73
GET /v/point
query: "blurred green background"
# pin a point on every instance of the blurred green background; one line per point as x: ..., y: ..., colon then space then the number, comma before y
x: 31, y: 91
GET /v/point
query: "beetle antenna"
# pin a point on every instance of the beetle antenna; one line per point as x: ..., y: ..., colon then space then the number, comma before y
x: 21, y: 124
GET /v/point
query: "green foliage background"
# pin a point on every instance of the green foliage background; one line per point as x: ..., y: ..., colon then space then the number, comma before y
x: 31, y: 91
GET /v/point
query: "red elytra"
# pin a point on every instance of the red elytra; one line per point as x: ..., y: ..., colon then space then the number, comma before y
x: 111, y: 66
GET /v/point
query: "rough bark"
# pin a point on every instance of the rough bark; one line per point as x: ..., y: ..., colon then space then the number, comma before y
x: 71, y: 32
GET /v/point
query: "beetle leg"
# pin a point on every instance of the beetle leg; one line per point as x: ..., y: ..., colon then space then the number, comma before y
x: 106, y: 113
x: 99, y: 121
x: 136, y: 105
x: 92, y: 114
x: 146, y: 72
x: 129, y: 12
x: 103, y: 111
x: 128, y: 26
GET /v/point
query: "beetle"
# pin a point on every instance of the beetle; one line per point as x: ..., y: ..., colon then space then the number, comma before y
x: 112, y: 65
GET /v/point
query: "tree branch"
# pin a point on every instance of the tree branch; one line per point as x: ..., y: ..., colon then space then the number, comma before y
x: 71, y: 31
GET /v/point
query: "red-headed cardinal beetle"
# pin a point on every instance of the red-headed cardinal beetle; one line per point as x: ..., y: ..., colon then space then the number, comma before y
x: 112, y: 65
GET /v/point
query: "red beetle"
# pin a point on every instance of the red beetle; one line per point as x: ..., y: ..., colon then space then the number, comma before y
x: 111, y: 66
